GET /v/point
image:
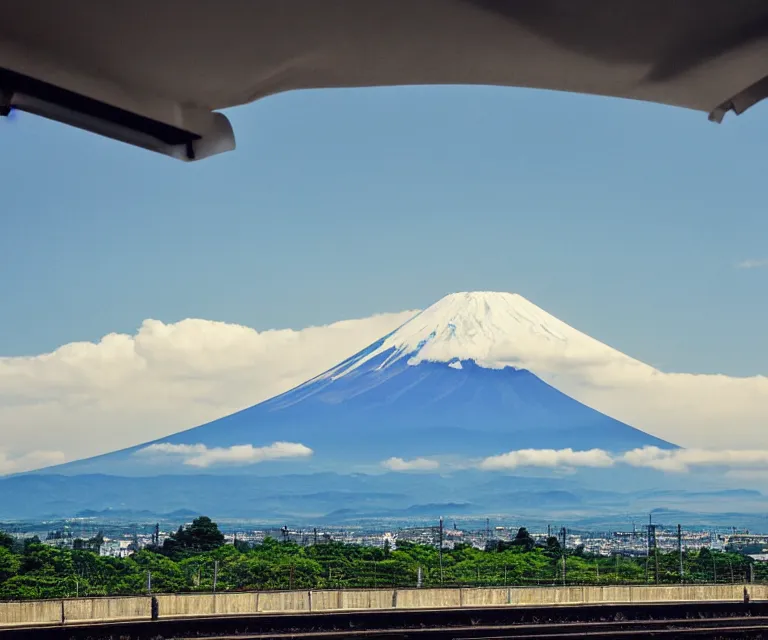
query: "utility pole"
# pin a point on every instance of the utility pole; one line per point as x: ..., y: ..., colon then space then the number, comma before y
x: 651, y: 545
x: 149, y: 582
x: 564, y: 534
x: 315, y: 534
x: 680, y: 550
x: 215, y: 574
x: 647, y: 553
x: 440, y: 550
x: 487, y: 531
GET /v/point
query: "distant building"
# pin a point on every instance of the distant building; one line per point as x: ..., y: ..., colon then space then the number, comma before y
x: 747, y: 539
x: 117, y: 548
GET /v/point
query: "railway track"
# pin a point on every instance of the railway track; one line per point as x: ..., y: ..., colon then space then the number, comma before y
x: 667, y: 620
x: 714, y: 632
x: 731, y: 627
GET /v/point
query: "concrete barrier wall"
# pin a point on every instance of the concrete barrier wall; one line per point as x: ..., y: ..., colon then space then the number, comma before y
x: 545, y: 595
x: 279, y: 601
x: 484, y: 597
x: 196, y: 604
x: 688, y: 592
x: 376, y: 599
x: 236, y: 603
x: 619, y: 594
x: 326, y: 600
x: 427, y: 598
x: 758, y: 591
x: 360, y: 599
x: 203, y: 604
x: 607, y: 594
x: 190, y: 604
x: 34, y: 612
x: 85, y: 609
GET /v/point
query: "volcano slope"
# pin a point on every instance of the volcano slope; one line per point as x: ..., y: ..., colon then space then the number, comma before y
x: 446, y: 389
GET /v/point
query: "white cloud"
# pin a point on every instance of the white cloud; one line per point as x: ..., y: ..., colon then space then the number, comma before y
x: 550, y: 458
x: 89, y: 398
x: 692, y: 410
x: 752, y: 264
x: 198, y: 455
x: 417, y: 464
x: 34, y: 459
x: 681, y: 460
x: 740, y: 462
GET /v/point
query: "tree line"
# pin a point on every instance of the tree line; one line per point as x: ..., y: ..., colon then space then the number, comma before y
x: 196, y: 558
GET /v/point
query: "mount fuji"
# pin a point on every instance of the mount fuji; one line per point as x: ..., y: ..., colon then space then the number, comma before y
x: 447, y: 389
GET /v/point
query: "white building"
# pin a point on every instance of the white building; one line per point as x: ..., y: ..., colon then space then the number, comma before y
x: 117, y: 548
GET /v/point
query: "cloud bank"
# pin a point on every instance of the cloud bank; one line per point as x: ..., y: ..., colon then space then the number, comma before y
x: 417, y: 464
x: 551, y: 458
x: 687, y: 459
x: 670, y: 460
x: 89, y: 398
x: 34, y: 459
x: 198, y: 455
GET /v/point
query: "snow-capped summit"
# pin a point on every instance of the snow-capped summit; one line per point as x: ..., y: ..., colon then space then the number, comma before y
x: 457, y: 381
x: 493, y: 329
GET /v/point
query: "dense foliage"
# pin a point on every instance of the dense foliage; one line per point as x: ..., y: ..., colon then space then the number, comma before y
x: 195, y: 556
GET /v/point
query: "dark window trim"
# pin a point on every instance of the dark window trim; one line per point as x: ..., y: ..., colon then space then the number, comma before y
x: 13, y: 82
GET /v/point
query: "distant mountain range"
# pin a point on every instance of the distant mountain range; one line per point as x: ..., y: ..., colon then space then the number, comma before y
x: 348, y: 499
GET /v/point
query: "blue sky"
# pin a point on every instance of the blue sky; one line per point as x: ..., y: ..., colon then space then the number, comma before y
x: 624, y: 219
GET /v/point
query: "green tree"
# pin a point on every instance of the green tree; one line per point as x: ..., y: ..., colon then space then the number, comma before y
x: 200, y: 536
x: 42, y: 559
x: 552, y: 547
x: 28, y: 542
x: 524, y: 539
x: 166, y: 575
x: 9, y: 564
x: 6, y: 540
